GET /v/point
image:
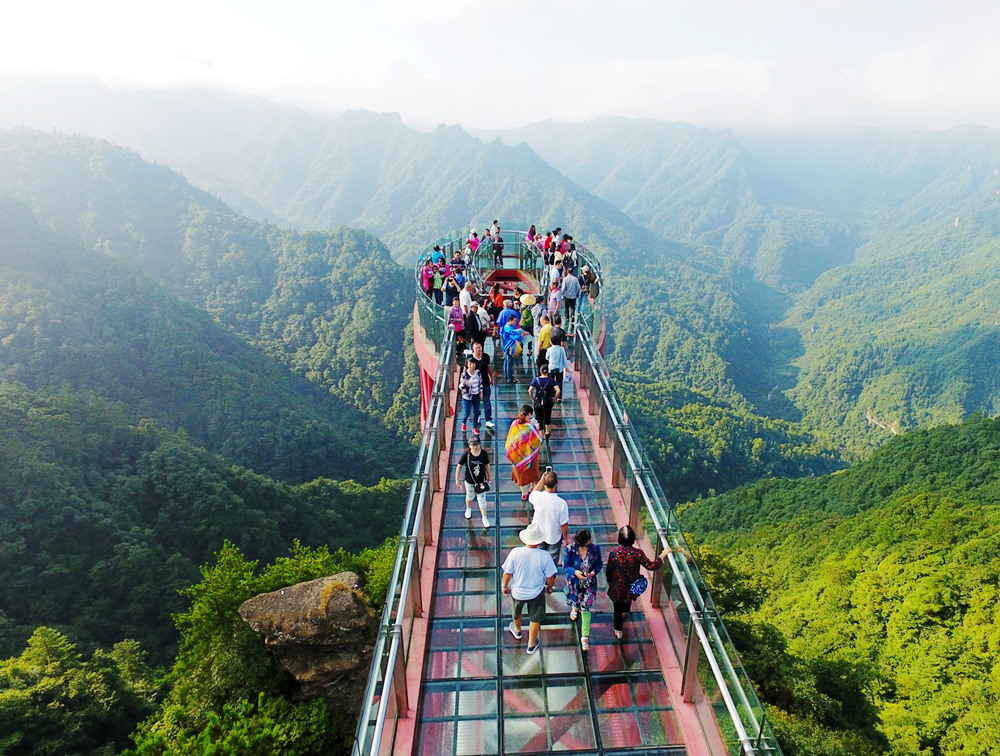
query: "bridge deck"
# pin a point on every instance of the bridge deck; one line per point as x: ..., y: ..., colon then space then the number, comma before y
x: 480, y: 692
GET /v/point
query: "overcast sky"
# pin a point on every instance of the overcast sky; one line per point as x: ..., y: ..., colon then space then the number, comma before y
x: 738, y: 63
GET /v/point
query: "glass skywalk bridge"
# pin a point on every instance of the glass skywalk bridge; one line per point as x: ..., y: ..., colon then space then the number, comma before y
x: 448, y: 678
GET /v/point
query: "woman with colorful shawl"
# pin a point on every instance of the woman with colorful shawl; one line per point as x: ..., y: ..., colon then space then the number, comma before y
x: 522, y: 448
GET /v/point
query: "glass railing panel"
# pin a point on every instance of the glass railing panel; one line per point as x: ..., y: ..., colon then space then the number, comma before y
x: 379, y: 714
x: 518, y: 253
x: 739, y: 714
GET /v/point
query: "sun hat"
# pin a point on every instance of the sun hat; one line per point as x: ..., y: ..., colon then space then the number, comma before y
x: 532, y: 535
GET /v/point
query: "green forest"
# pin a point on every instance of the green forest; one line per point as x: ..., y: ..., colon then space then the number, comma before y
x: 185, y: 395
x: 888, y: 572
x: 225, y: 693
x: 199, y: 403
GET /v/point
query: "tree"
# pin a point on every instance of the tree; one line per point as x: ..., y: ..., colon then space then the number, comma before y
x: 52, y: 701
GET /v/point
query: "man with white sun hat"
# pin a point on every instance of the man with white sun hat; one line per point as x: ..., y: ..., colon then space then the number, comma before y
x: 528, y: 575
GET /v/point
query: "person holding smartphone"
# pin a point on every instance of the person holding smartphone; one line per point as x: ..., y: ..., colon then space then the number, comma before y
x: 582, y: 561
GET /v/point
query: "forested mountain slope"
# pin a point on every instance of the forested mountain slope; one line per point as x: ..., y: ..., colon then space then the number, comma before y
x: 893, y: 564
x: 158, y: 353
x: 907, y: 335
x: 896, y: 334
x: 672, y: 313
x: 373, y: 171
x: 897, y: 344
x: 72, y: 317
x: 764, y: 306
x: 314, y: 301
x: 102, y: 521
x: 700, y: 187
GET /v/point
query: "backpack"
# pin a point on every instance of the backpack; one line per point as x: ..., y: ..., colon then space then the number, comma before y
x: 527, y: 322
x: 546, y: 393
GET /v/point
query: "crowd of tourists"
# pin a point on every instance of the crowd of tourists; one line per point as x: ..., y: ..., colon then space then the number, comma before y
x: 520, y: 324
x: 530, y: 328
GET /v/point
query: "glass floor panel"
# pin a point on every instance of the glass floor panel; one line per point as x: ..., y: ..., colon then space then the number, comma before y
x: 481, y: 692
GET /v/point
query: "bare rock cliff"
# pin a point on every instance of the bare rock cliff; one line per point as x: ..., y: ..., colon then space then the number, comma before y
x: 320, y: 632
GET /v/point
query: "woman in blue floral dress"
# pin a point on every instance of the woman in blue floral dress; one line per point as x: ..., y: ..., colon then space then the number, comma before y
x: 582, y: 560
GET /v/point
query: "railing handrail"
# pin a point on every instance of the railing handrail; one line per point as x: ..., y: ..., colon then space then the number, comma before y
x: 683, y: 570
x: 393, y: 613
x: 698, y: 603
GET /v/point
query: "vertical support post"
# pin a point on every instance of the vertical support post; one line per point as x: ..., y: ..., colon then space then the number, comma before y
x: 661, y: 576
x: 635, y: 503
x: 427, y: 517
x: 445, y: 400
x: 416, y: 595
x: 602, y: 426
x: 617, y: 461
x: 434, y: 473
x: 690, y: 673
x: 399, y: 675
x: 760, y: 730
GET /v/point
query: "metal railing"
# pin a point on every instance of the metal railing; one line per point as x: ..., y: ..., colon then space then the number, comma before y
x: 737, y: 712
x: 386, y: 696
x: 433, y: 317
x: 739, y: 715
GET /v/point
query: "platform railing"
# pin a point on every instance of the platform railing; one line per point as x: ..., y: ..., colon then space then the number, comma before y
x: 433, y: 317
x: 386, y: 697
x: 738, y: 714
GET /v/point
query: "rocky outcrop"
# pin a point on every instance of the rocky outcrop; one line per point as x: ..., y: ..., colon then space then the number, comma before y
x: 893, y: 428
x: 320, y: 632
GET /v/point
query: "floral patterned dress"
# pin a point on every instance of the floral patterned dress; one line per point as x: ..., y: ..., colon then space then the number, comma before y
x: 623, y: 569
x: 579, y: 592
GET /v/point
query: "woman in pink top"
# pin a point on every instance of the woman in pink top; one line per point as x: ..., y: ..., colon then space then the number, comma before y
x: 427, y: 277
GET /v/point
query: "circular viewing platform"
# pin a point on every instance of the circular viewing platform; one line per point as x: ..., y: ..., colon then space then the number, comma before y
x: 514, y: 266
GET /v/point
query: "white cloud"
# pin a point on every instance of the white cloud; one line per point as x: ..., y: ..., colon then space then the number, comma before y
x: 479, y: 63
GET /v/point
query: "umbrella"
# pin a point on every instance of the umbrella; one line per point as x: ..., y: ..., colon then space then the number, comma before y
x: 527, y: 299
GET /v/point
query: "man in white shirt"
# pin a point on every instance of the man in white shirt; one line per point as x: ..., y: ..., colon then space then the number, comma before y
x: 528, y: 574
x: 465, y: 297
x: 551, y: 514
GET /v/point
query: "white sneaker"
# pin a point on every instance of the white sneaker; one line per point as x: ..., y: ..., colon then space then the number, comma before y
x: 486, y: 521
x: 468, y: 513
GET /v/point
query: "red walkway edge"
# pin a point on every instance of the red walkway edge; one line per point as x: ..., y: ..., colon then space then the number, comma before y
x: 663, y: 622
x: 691, y: 715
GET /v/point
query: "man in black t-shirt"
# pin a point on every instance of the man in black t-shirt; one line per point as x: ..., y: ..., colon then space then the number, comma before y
x: 486, y: 373
x: 478, y: 475
x: 558, y: 334
x: 497, y: 250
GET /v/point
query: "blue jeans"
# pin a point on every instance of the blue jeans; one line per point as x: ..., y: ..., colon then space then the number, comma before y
x: 508, y: 366
x: 471, y: 408
x: 488, y: 405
